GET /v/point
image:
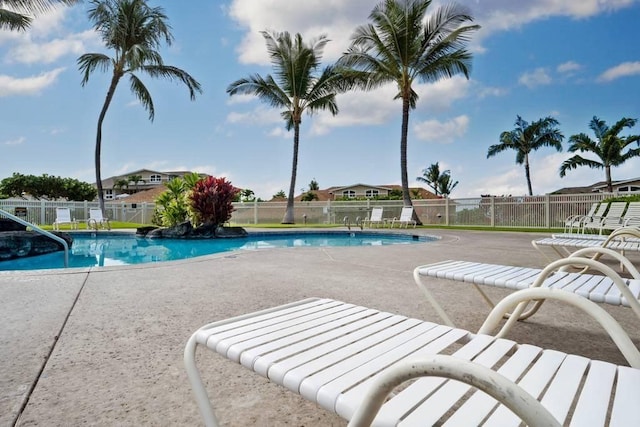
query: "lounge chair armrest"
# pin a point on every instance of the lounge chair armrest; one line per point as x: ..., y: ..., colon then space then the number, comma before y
x: 496, y: 385
x: 512, y: 302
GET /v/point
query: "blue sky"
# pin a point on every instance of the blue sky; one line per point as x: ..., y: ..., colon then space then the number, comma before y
x: 570, y: 59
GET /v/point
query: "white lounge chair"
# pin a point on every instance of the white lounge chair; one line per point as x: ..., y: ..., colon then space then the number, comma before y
x: 613, y: 217
x: 622, y: 239
x: 632, y: 215
x: 375, y: 218
x: 97, y: 220
x: 63, y: 216
x: 593, y: 221
x: 406, y: 218
x: 609, y: 289
x: 575, y: 221
x: 348, y: 358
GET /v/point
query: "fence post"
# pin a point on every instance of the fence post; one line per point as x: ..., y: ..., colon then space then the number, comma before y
x: 446, y: 211
x: 255, y: 212
x: 86, y: 209
x: 547, y: 210
x: 493, y: 211
x: 43, y: 219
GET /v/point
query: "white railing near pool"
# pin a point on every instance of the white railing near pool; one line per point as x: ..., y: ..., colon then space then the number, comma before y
x: 546, y: 211
x: 39, y: 230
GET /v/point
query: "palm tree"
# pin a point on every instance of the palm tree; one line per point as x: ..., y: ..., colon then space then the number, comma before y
x: 121, y: 184
x: 445, y: 184
x: 431, y: 176
x: 402, y: 46
x: 135, y: 32
x: 16, y: 16
x: 608, y: 147
x: 526, y: 138
x: 440, y: 182
x: 135, y: 179
x: 296, y: 88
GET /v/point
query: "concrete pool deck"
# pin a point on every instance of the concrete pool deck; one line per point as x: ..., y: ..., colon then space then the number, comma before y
x: 104, y: 346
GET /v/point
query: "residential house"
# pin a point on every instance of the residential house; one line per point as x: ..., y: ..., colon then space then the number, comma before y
x: 365, y: 191
x: 623, y: 186
x: 150, y: 179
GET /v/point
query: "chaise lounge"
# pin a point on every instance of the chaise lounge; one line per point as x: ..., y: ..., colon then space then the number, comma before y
x: 348, y: 358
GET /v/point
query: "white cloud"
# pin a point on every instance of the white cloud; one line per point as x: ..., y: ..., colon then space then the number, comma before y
x: 491, y: 91
x: 17, y: 141
x: 28, y: 85
x: 30, y: 52
x: 378, y: 107
x: 568, y: 67
x: 259, y: 115
x: 442, y: 132
x: 537, y: 77
x: 622, y: 70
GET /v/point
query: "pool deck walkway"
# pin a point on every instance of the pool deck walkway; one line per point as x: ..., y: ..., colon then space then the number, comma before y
x: 104, y: 346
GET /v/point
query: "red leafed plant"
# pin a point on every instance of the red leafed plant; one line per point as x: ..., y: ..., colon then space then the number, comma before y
x: 211, y: 200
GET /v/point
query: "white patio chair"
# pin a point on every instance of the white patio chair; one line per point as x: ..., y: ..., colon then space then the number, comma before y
x: 63, y: 216
x: 632, y: 215
x: 375, y: 218
x: 575, y: 221
x: 97, y: 220
x: 594, y: 221
x: 347, y: 359
x: 613, y: 218
x: 406, y: 218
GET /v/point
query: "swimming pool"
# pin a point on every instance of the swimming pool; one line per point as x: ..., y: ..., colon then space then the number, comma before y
x: 105, y: 249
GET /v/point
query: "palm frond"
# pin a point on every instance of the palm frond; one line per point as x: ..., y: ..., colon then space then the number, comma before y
x: 174, y: 74
x: 142, y: 94
x: 576, y: 161
x: 89, y: 62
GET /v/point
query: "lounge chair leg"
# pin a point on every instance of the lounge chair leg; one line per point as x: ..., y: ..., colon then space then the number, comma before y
x: 202, y: 398
x: 437, y: 307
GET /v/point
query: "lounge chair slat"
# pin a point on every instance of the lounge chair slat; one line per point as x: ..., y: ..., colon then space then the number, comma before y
x: 406, y: 328
x: 534, y: 382
x: 594, y: 399
x: 334, y: 339
x: 415, y: 393
x: 625, y: 407
x: 347, y: 391
x: 561, y: 393
x: 325, y: 387
x: 438, y: 403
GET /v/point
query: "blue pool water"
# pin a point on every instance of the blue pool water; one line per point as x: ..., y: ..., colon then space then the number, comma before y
x: 103, y: 249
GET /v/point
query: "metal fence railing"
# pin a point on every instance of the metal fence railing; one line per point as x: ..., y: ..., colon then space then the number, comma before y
x: 547, y: 211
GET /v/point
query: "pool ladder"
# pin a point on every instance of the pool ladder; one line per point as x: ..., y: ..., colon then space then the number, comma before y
x: 40, y: 231
x: 358, y: 223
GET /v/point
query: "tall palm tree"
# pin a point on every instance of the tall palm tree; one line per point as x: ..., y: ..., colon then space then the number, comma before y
x: 296, y: 88
x: 608, y: 147
x: 528, y: 137
x: 135, y: 32
x: 17, y: 15
x: 402, y: 46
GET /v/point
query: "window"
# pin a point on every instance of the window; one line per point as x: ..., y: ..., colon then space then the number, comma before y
x: 108, y: 194
x: 349, y: 194
x: 369, y: 194
x: 155, y: 178
x: 628, y: 189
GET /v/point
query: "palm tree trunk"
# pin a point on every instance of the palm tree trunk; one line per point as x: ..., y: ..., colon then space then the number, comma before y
x: 103, y: 112
x: 288, y: 215
x: 607, y: 171
x: 406, y: 197
x: 527, y: 173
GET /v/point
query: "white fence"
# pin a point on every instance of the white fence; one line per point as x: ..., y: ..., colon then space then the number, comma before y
x: 535, y: 212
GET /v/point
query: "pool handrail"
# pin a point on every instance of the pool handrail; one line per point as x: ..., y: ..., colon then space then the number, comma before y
x: 39, y: 230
